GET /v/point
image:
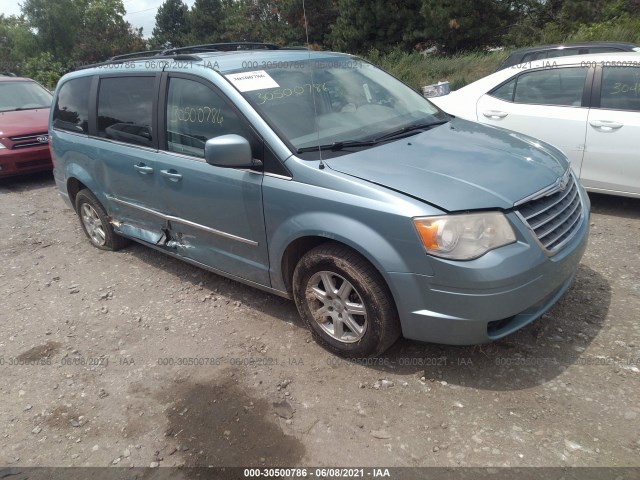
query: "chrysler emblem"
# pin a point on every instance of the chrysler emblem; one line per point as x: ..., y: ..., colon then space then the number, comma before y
x: 43, y: 138
x: 564, y: 181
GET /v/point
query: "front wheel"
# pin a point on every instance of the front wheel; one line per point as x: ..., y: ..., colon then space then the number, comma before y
x: 345, y: 302
x: 95, y: 222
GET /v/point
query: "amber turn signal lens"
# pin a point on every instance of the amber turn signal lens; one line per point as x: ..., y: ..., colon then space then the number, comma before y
x: 428, y: 233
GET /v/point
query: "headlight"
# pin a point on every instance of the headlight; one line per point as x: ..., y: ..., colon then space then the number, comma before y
x: 2, y: 146
x: 464, y: 237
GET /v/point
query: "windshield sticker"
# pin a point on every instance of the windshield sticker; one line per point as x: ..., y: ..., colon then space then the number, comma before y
x: 249, y: 81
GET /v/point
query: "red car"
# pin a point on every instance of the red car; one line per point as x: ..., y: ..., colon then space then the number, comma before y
x: 24, y: 117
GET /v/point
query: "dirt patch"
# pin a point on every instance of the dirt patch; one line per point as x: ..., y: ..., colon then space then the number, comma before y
x: 220, y: 425
x: 64, y: 417
x: 40, y: 352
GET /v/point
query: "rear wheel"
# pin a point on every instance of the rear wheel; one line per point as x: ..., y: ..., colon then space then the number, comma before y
x: 345, y: 302
x: 95, y: 222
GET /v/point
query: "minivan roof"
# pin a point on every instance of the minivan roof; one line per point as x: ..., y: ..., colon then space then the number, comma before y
x: 4, y: 78
x: 223, y: 57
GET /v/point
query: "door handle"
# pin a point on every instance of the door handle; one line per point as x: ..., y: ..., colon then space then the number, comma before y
x: 143, y: 169
x: 171, y: 175
x: 605, y: 125
x: 494, y: 114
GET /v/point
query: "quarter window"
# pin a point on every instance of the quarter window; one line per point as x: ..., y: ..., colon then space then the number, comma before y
x: 196, y: 113
x: 125, y: 109
x: 71, y: 111
x: 620, y: 88
x: 505, y: 92
x: 552, y: 86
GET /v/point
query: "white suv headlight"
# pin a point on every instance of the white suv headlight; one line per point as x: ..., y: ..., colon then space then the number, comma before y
x: 464, y: 237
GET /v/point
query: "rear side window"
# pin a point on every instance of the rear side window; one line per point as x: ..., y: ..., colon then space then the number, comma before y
x: 125, y: 109
x: 196, y: 113
x: 552, y: 86
x: 71, y: 111
x: 620, y: 88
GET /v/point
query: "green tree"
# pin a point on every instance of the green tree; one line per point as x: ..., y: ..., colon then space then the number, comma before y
x: 17, y: 42
x: 56, y: 24
x: 44, y: 68
x: 206, y: 21
x: 467, y: 24
x: 54, y: 37
x: 104, y: 32
x: 320, y: 15
x: 172, y: 25
x: 576, y: 12
x: 267, y: 21
x: 254, y: 21
x: 377, y: 24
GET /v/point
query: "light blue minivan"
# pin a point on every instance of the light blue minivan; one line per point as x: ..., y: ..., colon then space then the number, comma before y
x: 319, y: 177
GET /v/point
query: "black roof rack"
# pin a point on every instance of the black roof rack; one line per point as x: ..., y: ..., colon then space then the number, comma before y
x: 142, y: 54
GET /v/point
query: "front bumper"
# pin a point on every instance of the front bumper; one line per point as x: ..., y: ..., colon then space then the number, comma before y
x: 467, y: 303
x: 23, y: 161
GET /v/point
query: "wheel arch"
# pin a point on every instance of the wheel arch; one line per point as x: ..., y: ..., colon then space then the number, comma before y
x: 73, y: 187
x: 363, y: 240
x: 78, y: 178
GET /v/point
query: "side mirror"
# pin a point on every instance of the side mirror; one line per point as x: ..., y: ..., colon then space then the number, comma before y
x: 230, y: 151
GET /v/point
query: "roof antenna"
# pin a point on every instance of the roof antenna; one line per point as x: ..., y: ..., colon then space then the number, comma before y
x: 313, y: 95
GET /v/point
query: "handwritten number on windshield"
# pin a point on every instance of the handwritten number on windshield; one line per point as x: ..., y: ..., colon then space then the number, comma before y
x: 298, y: 90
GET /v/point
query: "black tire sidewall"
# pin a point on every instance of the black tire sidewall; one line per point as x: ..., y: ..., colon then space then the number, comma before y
x: 85, y: 196
x: 370, y: 342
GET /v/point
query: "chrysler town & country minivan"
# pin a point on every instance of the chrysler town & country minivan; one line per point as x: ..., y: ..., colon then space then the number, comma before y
x: 319, y: 177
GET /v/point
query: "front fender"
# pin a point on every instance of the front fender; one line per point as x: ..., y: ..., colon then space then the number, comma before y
x: 384, y: 256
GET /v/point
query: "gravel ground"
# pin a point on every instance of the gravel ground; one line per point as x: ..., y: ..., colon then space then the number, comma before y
x: 136, y: 359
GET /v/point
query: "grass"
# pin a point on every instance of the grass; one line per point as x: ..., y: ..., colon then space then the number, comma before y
x: 418, y: 70
x: 461, y: 69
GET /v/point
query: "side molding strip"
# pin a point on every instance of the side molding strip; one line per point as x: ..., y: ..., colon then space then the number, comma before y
x: 171, y: 218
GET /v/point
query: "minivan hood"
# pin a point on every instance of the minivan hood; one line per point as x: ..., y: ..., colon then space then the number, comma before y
x: 24, y: 122
x: 460, y: 165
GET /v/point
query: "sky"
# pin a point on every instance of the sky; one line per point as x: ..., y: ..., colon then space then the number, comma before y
x: 140, y: 13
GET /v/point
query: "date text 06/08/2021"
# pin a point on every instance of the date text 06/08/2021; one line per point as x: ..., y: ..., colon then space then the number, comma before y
x: 316, y: 473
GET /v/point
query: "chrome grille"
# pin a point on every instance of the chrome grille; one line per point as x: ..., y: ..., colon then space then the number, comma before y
x: 26, y: 141
x: 555, y: 217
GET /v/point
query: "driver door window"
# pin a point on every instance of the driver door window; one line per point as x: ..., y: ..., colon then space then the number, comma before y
x: 196, y: 113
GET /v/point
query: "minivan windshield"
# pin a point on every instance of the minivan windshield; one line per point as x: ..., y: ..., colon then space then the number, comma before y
x: 23, y: 95
x: 335, y: 103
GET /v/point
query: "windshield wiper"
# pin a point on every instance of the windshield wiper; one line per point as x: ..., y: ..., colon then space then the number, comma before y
x: 338, y: 145
x: 409, y: 129
x: 368, y: 143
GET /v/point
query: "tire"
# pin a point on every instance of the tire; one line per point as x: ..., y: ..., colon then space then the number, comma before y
x: 356, y: 316
x: 95, y: 223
